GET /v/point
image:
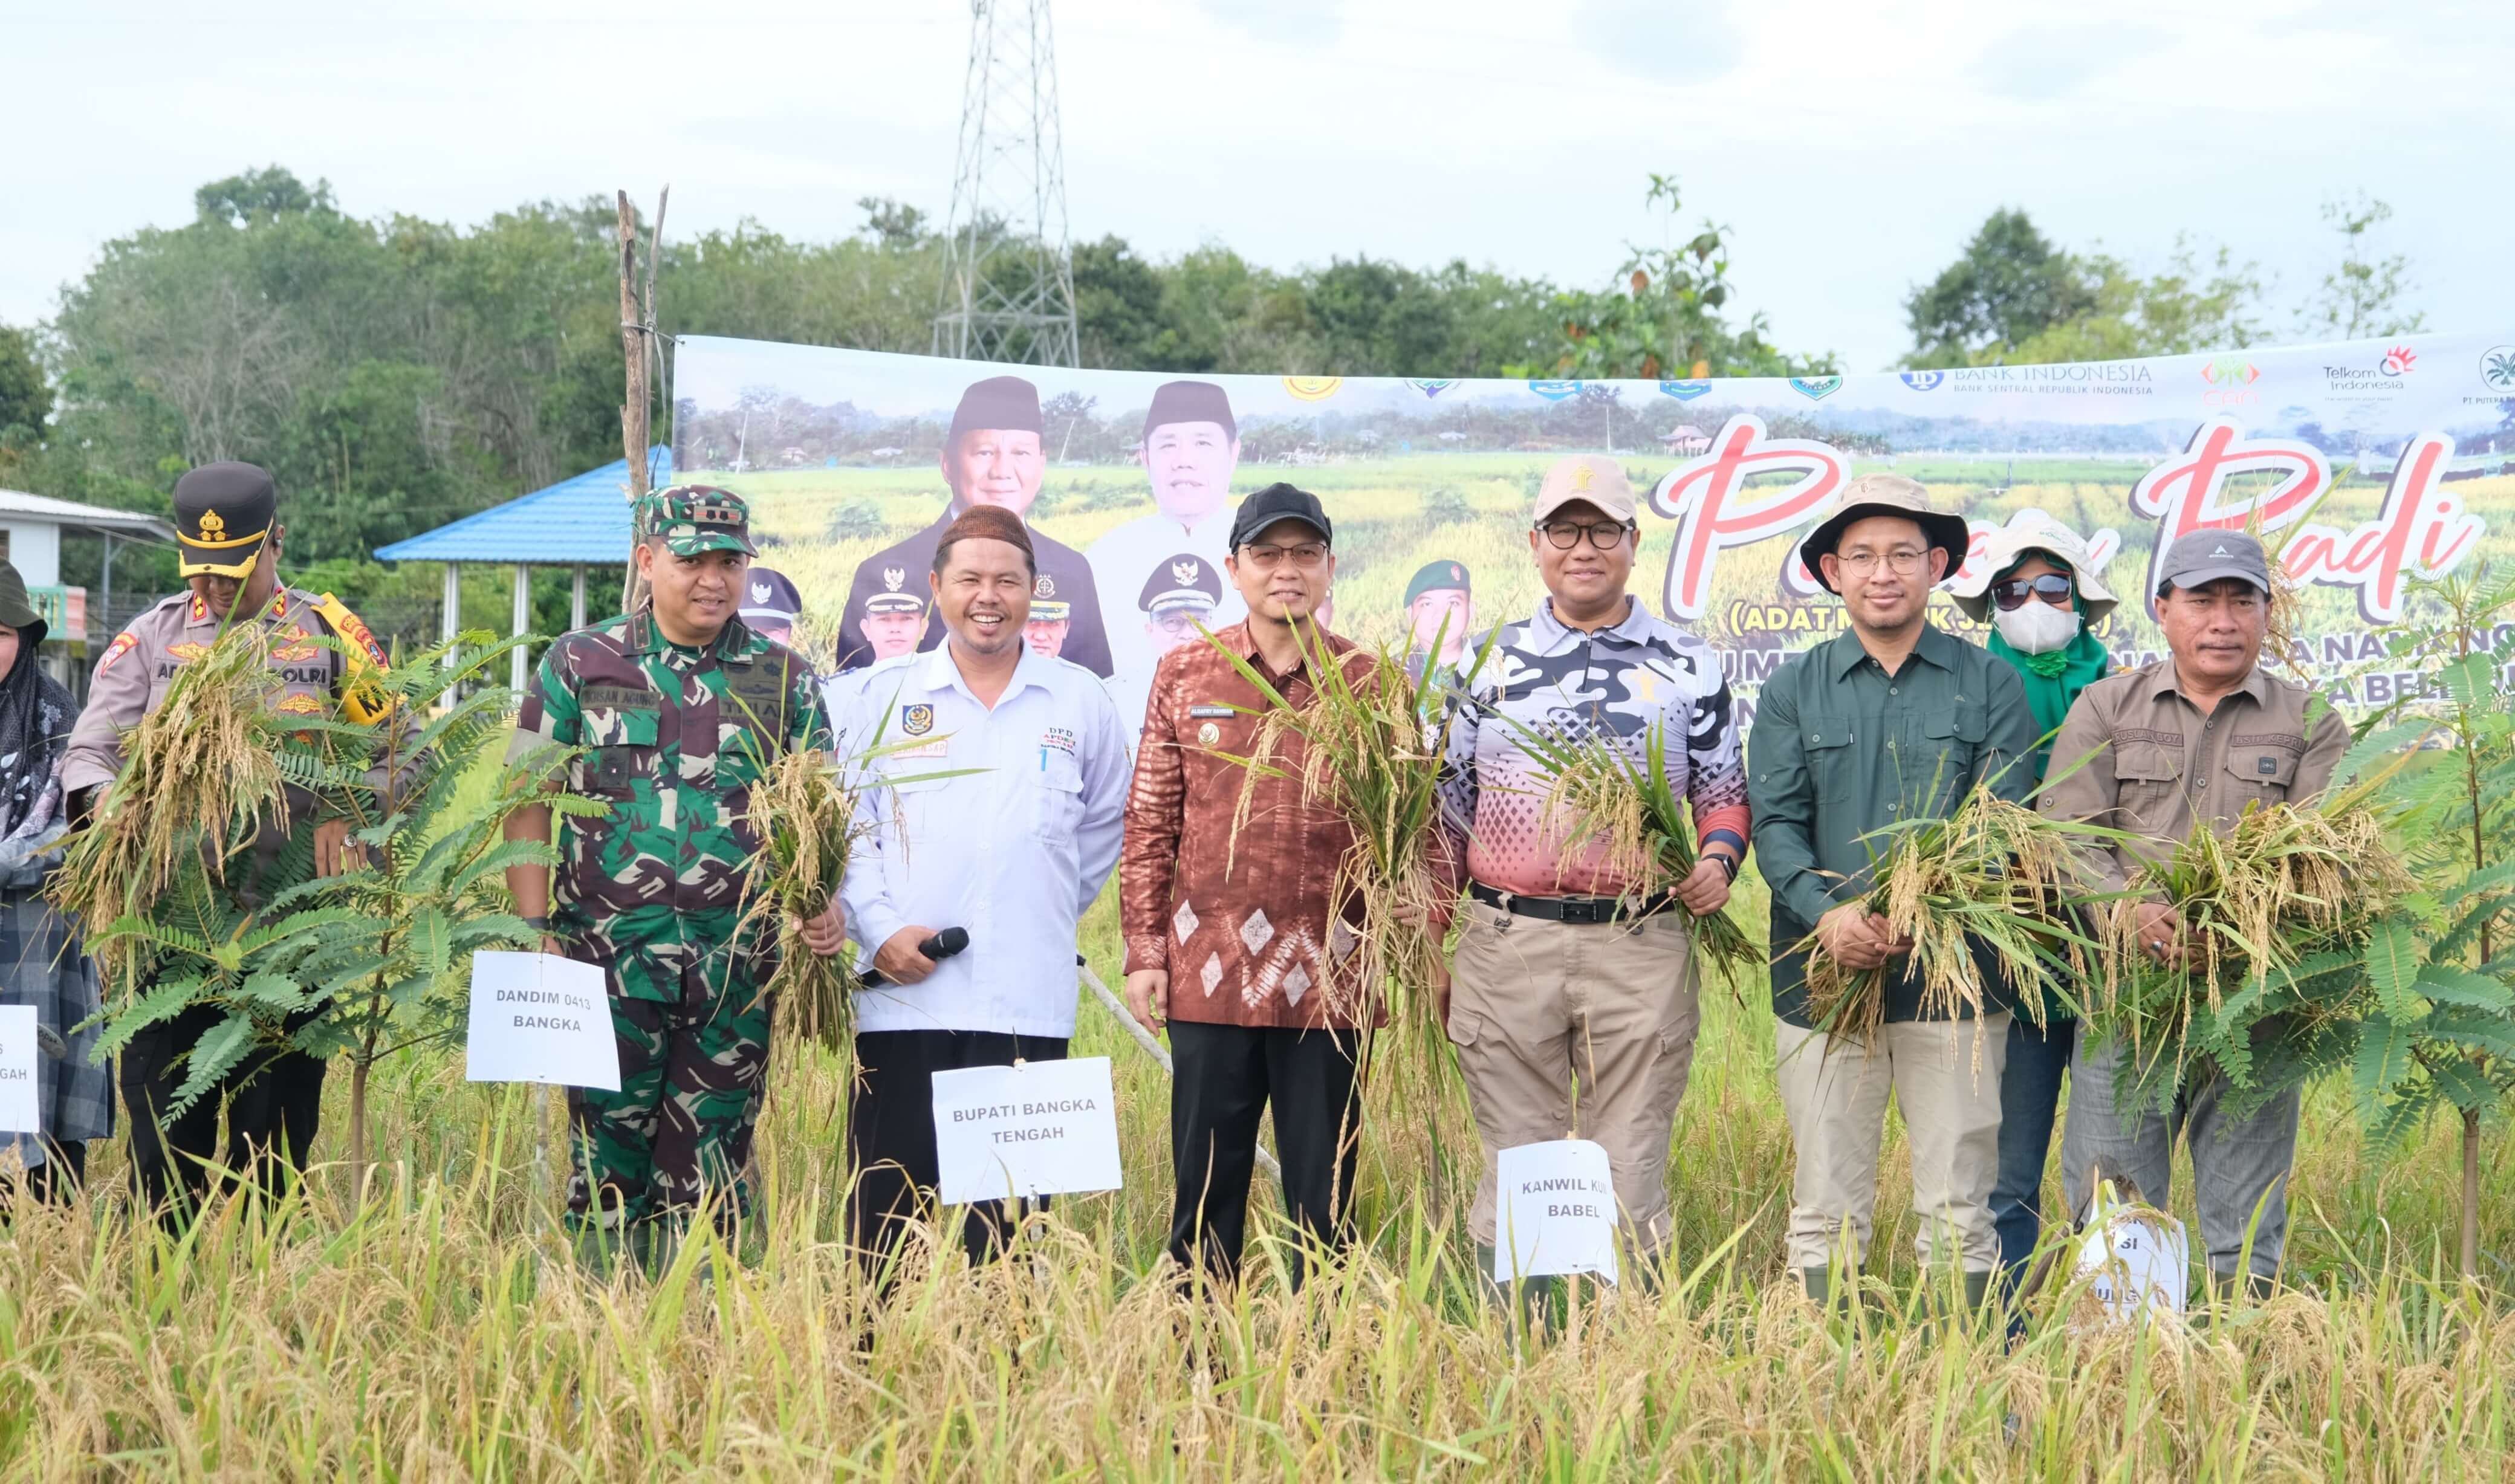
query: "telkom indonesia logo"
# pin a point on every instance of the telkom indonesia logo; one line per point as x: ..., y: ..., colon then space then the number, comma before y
x: 2399, y: 360
x: 2420, y: 527
x: 1708, y: 499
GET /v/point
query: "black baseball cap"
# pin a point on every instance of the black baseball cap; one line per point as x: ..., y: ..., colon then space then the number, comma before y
x: 1279, y: 502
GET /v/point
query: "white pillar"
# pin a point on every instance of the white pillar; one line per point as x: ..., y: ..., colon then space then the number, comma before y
x: 576, y: 597
x: 524, y: 625
x: 450, y: 623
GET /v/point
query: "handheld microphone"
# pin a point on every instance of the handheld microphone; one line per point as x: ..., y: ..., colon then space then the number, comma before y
x: 944, y: 944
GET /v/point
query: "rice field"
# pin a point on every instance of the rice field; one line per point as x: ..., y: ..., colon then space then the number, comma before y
x: 442, y: 1331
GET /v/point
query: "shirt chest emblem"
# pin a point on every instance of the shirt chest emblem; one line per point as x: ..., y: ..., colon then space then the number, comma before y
x: 915, y: 721
x: 1207, y: 734
x: 1061, y: 738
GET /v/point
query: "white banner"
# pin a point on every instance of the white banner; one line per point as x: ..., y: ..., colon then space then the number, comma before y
x: 1557, y: 1211
x: 537, y: 1017
x: 1041, y: 1128
x: 21, y: 1111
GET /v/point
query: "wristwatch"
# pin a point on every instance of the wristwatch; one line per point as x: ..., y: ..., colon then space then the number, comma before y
x: 538, y: 923
x: 1728, y: 865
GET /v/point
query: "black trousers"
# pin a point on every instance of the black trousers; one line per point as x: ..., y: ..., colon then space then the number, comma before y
x: 274, y: 1103
x: 1223, y: 1078
x: 891, y: 1134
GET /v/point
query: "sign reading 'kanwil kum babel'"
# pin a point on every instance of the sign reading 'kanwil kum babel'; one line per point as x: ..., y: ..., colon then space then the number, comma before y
x: 2371, y: 461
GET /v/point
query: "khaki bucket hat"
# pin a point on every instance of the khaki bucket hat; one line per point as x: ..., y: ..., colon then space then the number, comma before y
x: 2009, y: 545
x: 1884, y: 495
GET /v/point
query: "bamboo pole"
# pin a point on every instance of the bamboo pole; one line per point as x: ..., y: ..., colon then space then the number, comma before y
x: 638, y: 352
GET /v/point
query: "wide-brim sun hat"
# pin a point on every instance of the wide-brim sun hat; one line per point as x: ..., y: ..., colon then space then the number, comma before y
x: 2011, y: 545
x: 1884, y: 495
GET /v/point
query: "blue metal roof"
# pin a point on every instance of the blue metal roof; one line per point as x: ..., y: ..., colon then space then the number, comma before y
x: 580, y: 520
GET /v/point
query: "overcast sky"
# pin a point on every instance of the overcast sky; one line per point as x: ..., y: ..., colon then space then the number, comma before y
x: 1852, y: 149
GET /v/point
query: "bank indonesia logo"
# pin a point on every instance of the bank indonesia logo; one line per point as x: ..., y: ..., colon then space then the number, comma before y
x: 1684, y: 392
x: 1816, y: 389
x: 1923, y: 381
x: 2497, y: 368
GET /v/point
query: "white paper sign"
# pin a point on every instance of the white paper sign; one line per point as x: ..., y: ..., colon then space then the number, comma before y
x: 1044, y: 1128
x: 538, y: 1017
x: 21, y: 1111
x: 1556, y: 1212
x: 2136, y: 1258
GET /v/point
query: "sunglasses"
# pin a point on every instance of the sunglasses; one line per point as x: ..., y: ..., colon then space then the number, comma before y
x: 2052, y: 587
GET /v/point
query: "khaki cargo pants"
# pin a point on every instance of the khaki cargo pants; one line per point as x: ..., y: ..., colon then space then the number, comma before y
x: 1577, y: 1031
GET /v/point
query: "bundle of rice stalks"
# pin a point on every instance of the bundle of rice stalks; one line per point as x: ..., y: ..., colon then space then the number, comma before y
x: 2276, y: 912
x: 1370, y: 755
x: 1624, y: 809
x: 1993, y: 874
x: 197, y: 774
x: 804, y: 817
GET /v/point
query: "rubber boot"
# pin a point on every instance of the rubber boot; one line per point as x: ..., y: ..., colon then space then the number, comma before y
x: 1818, y: 1282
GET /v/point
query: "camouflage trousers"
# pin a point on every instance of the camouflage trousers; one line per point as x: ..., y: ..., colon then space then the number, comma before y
x: 690, y: 1072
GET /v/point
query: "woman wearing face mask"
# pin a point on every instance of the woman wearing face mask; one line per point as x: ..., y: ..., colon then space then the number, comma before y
x: 2035, y: 586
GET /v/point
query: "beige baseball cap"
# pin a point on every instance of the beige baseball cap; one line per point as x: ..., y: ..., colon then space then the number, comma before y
x: 1587, y: 478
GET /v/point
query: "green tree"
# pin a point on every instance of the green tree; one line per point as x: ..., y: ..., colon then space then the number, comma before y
x: 25, y: 399
x: 2011, y: 285
x: 2363, y: 295
x: 2192, y: 305
x: 1665, y: 315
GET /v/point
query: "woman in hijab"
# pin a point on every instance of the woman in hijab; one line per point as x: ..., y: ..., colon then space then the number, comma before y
x: 40, y: 962
x: 2036, y: 587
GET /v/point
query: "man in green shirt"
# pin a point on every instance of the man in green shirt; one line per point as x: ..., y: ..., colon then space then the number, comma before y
x: 1891, y: 721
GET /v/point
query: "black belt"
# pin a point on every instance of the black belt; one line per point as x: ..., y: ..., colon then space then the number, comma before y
x: 1569, y: 909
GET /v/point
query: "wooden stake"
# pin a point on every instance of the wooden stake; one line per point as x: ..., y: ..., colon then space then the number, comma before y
x: 638, y: 352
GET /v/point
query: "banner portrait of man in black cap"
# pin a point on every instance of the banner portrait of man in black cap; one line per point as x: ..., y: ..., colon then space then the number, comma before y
x: 993, y: 454
x: 1190, y: 452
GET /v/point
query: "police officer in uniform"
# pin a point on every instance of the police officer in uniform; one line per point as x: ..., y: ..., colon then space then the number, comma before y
x: 678, y: 707
x: 227, y: 517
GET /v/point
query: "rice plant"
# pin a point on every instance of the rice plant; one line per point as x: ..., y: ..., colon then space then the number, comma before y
x: 1629, y: 825
x: 1369, y: 739
x: 807, y: 823
x: 2274, y: 916
x: 200, y: 776
x: 1993, y: 879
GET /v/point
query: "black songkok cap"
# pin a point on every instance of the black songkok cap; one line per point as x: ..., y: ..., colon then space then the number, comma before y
x: 1190, y: 402
x: 998, y: 401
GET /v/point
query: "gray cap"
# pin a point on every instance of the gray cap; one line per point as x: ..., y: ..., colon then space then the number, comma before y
x: 2204, y: 556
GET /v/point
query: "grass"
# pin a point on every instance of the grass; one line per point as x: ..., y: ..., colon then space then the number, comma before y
x: 441, y: 1330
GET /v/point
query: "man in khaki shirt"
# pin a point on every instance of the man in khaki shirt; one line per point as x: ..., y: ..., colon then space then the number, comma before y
x: 2191, y: 742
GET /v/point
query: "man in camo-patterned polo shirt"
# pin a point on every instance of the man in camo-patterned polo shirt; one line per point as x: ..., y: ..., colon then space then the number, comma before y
x: 678, y: 707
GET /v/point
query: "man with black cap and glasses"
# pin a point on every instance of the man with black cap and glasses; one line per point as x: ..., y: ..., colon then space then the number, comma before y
x: 1228, y: 937
x: 227, y: 516
x: 2190, y: 742
x: 993, y: 454
x: 1191, y: 449
x: 1893, y: 721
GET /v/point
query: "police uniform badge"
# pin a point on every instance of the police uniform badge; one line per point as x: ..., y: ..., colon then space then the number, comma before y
x: 1045, y: 587
x: 916, y: 721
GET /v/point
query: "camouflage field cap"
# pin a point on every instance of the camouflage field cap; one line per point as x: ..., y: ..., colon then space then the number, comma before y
x: 696, y: 518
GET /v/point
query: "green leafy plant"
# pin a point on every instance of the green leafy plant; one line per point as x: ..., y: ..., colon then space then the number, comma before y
x: 2440, y: 1030
x: 375, y: 959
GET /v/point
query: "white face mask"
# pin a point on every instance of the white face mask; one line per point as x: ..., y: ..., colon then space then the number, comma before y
x: 2036, y: 627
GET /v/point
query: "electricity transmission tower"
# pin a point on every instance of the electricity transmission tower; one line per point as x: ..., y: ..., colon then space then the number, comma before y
x: 1007, y: 272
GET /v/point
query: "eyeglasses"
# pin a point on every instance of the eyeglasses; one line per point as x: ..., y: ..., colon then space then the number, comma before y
x: 1903, y: 562
x: 2012, y: 593
x: 1606, y: 536
x: 1309, y: 554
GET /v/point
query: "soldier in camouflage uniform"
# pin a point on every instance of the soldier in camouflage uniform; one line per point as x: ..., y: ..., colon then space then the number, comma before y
x: 679, y: 706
